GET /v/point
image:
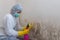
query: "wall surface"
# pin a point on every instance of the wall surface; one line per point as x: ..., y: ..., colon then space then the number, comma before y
x: 42, y: 10
x: 47, y: 12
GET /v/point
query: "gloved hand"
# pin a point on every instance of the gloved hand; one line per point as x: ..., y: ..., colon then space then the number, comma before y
x: 21, y: 33
x: 30, y: 26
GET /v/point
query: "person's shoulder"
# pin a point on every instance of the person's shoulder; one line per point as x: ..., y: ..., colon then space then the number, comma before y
x: 8, y: 16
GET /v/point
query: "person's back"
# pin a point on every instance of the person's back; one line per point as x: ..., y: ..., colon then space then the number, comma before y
x: 9, y: 24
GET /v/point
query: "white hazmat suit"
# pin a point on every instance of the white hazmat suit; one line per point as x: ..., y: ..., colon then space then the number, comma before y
x: 10, y: 22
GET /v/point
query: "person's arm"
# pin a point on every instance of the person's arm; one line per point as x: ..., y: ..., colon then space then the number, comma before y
x: 11, y: 31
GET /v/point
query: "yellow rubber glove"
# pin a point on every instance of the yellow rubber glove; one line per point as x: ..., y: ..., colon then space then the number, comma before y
x: 21, y: 33
x: 30, y: 26
x: 25, y: 31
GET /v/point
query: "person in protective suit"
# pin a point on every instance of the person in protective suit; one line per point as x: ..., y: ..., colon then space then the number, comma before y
x: 10, y: 22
